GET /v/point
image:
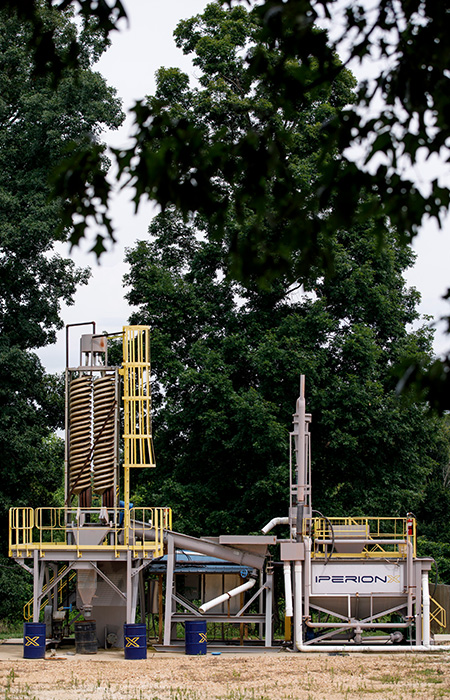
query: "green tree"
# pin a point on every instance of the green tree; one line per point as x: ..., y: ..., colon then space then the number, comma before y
x: 412, y: 122
x: 226, y: 361
x: 38, y: 125
x: 43, y: 40
x: 174, y: 162
x: 227, y: 357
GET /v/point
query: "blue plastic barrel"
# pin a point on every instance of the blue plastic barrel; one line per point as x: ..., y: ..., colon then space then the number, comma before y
x: 34, y: 640
x: 135, y: 641
x: 195, y: 637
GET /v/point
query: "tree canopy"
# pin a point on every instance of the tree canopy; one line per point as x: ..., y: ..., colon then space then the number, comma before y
x: 38, y: 126
x: 39, y: 123
x: 227, y: 355
x: 398, y: 120
x: 406, y: 41
x: 226, y: 361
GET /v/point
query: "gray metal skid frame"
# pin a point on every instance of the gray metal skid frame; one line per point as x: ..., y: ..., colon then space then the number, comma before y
x: 46, y: 562
x: 248, y: 551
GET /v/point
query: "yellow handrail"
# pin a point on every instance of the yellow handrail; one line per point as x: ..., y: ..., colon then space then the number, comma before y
x: 377, y: 537
x: 439, y: 614
x: 28, y: 607
x: 88, y: 530
x: 21, y: 524
x: 137, y: 436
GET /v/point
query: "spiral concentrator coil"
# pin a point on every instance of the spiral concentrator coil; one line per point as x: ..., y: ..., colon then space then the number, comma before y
x: 104, y: 432
x: 80, y: 418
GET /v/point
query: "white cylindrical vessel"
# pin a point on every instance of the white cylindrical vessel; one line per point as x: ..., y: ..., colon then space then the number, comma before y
x: 288, y: 588
x: 425, y: 610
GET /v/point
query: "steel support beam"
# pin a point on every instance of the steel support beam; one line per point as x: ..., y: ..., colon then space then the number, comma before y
x: 169, y: 589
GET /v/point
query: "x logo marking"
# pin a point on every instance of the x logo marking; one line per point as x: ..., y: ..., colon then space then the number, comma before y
x: 132, y: 642
x: 31, y: 641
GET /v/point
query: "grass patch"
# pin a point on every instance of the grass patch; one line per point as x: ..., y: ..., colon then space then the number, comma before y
x: 10, y: 629
x: 430, y: 675
x: 386, y: 678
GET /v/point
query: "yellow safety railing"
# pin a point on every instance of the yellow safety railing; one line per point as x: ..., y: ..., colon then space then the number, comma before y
x: 438, y: 614
x: 21, y: 524
x: 137, y: 434
x: 88, y: 529
x: 138, y: 442
x: 28, y: 607
x: 365, y: 538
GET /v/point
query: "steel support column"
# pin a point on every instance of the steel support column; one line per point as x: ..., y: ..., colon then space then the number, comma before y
x: 169, y: 589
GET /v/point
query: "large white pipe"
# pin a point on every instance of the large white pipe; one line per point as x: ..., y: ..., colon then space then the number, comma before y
x: 376, y: 648
x: 307, y: 573
x: 288, y: 588
x: 298, y: 618
x: 226, y: 596
x: 425, y: 610
x: 275, y: 521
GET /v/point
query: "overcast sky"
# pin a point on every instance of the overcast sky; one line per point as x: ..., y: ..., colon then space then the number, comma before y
x: 129, y: 66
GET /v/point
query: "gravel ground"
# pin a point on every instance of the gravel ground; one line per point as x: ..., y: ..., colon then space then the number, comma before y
x: 273, y: 676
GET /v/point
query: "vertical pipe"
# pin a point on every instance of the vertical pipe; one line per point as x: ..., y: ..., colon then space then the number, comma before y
x: 425, y: 610
x: 126, y: 435
x: 129, y: 588
x: 134, y: 592
x: 288, y: 588
x: 298, y: 608
x: 301, y: 456
x: 260, y: 606
x: 292, y: 534
x: 116, y: 438
x: 141, y: 596
x: 269, y: 605
x: 169, y: 590
x: 66, y: 441
x: 36, y: 586
x: 418, y: 603
x: 160, y: 609
x: 307, y: 582
x: 409, y: 577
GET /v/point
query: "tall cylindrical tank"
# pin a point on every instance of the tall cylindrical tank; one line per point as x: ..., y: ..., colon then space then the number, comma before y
x: 80, y: 411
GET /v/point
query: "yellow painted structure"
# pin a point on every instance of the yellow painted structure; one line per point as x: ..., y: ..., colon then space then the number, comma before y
x: 47, y: 530
x: 137, y: 437
x: 379, y: 538
x: 114, y: 541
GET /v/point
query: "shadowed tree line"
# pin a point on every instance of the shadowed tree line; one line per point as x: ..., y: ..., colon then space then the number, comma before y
x: 39, y: 123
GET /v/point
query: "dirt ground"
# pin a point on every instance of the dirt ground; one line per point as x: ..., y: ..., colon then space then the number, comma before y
x: 228, y: 676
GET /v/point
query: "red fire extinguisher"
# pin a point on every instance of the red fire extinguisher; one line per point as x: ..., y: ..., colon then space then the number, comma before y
x: 409, y: 524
